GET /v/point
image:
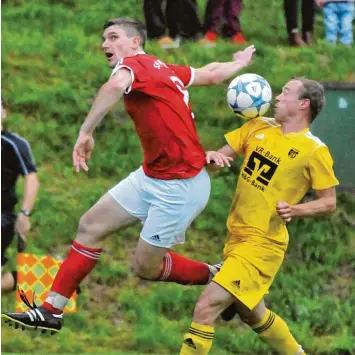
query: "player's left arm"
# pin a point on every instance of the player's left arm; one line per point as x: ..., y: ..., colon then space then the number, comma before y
x: 215, y: 73
x: 324, y: 204
x: 319, y: 171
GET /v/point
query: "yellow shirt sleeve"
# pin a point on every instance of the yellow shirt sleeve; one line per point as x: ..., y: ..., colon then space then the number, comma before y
x: 238, y: 138
x: 320, y: 169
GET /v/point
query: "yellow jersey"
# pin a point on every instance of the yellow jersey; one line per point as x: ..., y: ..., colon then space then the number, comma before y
x: 276, y: 167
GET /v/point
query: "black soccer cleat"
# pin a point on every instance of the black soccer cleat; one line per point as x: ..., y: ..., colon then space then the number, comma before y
x: 229, y: 313
x: 35, y: 318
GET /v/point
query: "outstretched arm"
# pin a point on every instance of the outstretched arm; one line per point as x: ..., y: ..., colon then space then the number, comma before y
x: 215, y: 73
x: 109, y: 94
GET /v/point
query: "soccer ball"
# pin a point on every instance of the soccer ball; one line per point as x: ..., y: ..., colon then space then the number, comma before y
x: 249, y: 95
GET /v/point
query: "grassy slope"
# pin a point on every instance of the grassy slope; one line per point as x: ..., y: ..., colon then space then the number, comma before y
x: 111, y: 353
x: 52, y: 67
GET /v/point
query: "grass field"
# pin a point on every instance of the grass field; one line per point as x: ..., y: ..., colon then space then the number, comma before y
x: 111, y: 353
x: 51, y: 69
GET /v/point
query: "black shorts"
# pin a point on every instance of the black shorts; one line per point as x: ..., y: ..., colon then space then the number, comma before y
x: 7, y: 233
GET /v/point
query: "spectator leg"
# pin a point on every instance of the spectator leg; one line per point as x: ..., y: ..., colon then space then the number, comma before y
x: 331, y: 22
x: 308, y: 9
x: 183, y: 16
x: 173, y: 13
x: 154, y: 18
x: 291, y: 11
x: 346, y: 20
x: 213, y: 15
x: 232, y: 10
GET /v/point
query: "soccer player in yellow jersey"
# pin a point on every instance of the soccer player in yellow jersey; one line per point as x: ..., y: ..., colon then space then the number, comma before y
x: 282, y: 160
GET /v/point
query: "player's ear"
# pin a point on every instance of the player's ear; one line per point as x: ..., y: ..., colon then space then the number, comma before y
x: 305, y: 103
x: 136, y: 42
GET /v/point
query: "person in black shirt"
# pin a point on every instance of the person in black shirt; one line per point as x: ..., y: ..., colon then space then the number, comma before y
x: 16, y: 160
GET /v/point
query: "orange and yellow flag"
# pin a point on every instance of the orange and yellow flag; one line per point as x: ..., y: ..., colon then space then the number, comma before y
x: 35, y: 274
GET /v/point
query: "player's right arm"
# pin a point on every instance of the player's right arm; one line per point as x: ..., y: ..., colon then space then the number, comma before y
x: 215, y: 73
x: 109, y: 94
x: 236, y: 142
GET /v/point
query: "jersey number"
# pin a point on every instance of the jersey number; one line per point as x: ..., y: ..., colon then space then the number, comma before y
x: 181, y: 87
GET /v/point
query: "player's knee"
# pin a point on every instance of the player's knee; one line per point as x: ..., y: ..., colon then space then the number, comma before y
x: 144, y: 271
x: 84, y: 224
x: 86, y: 230
x: 147, y: 268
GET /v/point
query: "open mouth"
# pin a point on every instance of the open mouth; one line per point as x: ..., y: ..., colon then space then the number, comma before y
x: 109, y: 55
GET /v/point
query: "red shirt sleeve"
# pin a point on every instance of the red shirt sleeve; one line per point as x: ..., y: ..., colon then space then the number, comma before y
x: 139, y: 77
x: 184, y: 73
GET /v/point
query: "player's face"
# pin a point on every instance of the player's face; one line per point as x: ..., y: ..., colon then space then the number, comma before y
x: 288, y: 103
x: 117, y: 45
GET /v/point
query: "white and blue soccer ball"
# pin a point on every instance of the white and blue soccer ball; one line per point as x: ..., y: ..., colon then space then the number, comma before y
x: 249, y: 95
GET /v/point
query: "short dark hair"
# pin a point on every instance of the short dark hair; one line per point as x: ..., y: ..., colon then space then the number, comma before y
x: 314, y: 92
x: 131, y: 26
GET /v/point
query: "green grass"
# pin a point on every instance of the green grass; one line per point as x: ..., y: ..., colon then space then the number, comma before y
x: 51, y: 69
x: 111, y: 353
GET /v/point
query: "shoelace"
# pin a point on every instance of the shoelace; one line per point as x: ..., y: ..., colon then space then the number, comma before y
x: 25, y: 300
x: 36, y: 317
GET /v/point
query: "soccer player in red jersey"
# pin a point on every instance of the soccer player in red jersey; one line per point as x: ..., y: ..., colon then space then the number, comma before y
x: 166, y: 193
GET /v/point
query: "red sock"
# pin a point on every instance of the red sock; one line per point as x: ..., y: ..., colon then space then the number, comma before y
x: 79, y: 263
x: 184, y: 271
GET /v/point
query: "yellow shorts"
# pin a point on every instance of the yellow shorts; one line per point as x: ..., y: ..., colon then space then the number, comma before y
x: 249, y: 268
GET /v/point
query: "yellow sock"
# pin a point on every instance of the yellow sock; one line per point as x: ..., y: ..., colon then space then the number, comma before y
x: 198, y: 340
x: 273, y: 331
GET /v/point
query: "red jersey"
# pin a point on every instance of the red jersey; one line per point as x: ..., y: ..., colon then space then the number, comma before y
x: 158, y: 103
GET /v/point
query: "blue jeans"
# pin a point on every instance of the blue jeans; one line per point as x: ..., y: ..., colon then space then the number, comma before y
x: 338, y: 18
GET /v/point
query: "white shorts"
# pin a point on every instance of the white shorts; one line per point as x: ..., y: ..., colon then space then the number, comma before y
x: 166, y: 207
